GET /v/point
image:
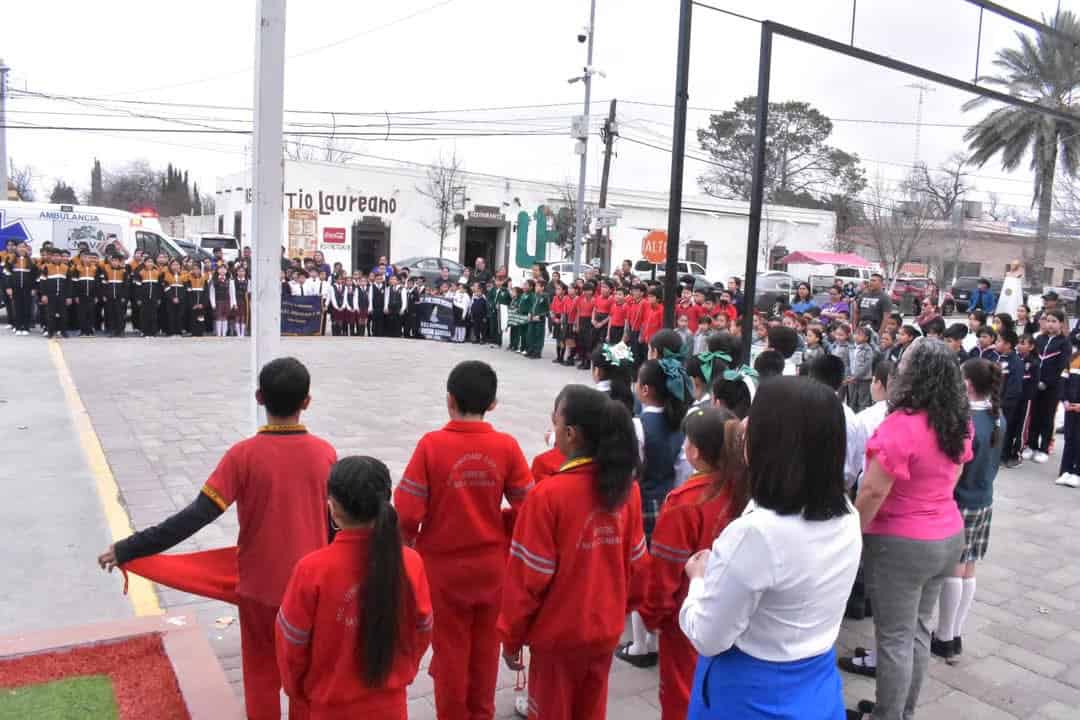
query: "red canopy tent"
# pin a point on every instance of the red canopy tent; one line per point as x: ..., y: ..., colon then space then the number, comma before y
x: 813, y: 257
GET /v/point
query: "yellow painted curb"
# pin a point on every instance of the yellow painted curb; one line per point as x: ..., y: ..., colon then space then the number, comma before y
x: 140, y: 590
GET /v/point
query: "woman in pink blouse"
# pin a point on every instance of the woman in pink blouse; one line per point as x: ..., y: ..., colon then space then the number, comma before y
x: 914, y: 534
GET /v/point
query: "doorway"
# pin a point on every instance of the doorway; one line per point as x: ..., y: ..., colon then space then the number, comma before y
x: 481, y: 242
x: 370, y: 241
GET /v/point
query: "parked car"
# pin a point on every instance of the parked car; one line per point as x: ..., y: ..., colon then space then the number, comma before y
x: 908, y: 293
x: 567, y: 271
x: 192, y: 250
x: 773, y: 290
x: 644, y: 269
x: 430, y: 268
x: 209, y: 242
x: 963, y: 288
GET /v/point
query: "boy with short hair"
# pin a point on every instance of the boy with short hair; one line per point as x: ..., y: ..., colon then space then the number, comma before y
x: 954, y: 338
x: 701, y: 338
x: 860, y: 371
x: 278, y: 481
x: 985, y: 347
x: 682, y: 327
x: 449, y: 505
x: 1013, y: 408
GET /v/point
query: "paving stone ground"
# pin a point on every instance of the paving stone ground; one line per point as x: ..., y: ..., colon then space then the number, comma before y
x: 166, y: 409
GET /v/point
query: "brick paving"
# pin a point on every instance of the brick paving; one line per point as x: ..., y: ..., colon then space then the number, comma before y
x: 166, y: 409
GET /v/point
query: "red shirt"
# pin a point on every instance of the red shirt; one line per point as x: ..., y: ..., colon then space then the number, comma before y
x: 652, y: 321
x: 547, y: 463
x: 585, y: 307
x: 319, y: 631
x: 575, y: 570
x: 603, y: 304
x: 449, y: 502
x: 728, y: 310
x: 618, y: 314
x: 558, y: 303
x: 278, y: 481
x: 635, y: 313
x: 692, y: 311
x: 572, y: 309
x: 687, y: 523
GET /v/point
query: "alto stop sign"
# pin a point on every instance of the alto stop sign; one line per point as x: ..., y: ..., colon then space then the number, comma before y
x: 654, y: 247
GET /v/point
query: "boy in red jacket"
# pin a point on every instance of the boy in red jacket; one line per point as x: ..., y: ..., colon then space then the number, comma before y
x: 449, y: 501
x: 577, y: 561
x: 278, y: 481
x: 652, y: 317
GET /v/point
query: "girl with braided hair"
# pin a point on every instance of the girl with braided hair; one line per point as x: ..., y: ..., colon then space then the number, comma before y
x: 356, y: 618
x: 974, y: 496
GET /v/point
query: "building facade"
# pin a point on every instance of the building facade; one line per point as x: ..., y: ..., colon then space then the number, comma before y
x: 355, y: 214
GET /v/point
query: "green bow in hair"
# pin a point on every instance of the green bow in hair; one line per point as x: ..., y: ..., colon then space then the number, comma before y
x: 740, y: 372
x: 675, y: 377
x: 669, y: 355
x: 706, y: 359
x: 618, y: 354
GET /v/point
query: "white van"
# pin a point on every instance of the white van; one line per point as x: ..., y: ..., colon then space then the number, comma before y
x: 68, y: 226
x: 209, y: 242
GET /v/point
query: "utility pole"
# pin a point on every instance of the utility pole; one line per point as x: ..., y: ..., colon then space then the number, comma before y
x: 611, y: 130
x: 3, y: 131
x: 923, y: 88
x: 678, y: 159
x: 583, y: 140
x: 268, y: 175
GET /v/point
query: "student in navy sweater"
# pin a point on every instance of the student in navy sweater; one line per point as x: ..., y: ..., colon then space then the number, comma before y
x: 1013, y: 407
x: 1070, y: 456
x: 1053, y: 350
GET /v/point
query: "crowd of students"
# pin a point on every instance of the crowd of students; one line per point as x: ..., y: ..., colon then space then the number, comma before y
x: 89, y: 294
x: 686, y: 489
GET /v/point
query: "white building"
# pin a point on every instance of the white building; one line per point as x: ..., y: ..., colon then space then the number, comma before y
x: 357, y: 213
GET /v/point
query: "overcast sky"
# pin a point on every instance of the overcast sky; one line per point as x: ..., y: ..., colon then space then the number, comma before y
x: 483, y: 54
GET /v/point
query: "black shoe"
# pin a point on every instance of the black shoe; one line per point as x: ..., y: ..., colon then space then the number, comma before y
x: 942, y: 648
x: 1012, y: 463
x: 957, y: 646
x: 848, y: 665
x: 646, y: 660
x: 557, y: 360
x: 63, y: 333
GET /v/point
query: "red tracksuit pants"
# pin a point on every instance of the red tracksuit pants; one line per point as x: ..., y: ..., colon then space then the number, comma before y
x: 678, y: 661
x: 568, y: 685
x: 262, y: 682
x: 465, y: 646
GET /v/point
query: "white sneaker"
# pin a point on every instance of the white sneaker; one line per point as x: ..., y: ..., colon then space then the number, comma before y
x: 521, y: 706
x: 1070, y: 480
x: 1040, y: 457
x: 1063, y: 479
x: 1027, y: 453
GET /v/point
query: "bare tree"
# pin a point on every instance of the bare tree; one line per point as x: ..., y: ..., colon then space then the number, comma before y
x: 22, y: 179
x: 993, y: 206
x: 566, y: 217
x: 330, y: 148
x: 944, y: 188
x: 897, y: 228
x: 442, y: 185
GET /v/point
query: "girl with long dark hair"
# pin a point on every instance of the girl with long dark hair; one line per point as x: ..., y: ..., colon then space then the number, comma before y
x: 577, y: 559
x: 356, y: 618
x: 692, y: 517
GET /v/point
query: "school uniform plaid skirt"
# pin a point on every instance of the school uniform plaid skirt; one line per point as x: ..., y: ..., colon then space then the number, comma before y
x: 976, y: 532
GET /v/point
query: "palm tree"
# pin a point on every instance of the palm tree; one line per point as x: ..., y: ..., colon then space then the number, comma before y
x: 1044, y: 70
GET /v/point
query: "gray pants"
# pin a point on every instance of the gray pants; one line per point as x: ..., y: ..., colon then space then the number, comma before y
x: 904, y: 579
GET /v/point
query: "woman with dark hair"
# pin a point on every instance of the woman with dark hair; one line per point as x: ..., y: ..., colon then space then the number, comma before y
x: 764, y: 606
x: 804, y: 298
x: 612, y: 368
x: 366, y: 582
x: 579, y: 529
x: 930, y: 311
x: 914, y: 532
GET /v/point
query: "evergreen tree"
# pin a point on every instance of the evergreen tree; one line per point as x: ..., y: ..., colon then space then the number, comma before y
x: 97, y: 188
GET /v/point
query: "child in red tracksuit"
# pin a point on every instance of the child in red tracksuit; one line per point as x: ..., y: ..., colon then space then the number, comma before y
x: 577, y: 561
x: 449, y: 501
x: 278, y: 481
x: 692, y: 517
x: 356, y: 618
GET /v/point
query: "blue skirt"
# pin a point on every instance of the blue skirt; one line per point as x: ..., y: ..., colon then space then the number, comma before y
x: 735, y: 685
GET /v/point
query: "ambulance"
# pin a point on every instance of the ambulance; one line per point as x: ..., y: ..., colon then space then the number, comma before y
x: 69, y: 227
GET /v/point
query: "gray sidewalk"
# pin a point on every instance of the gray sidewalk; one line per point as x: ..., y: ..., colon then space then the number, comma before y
x: 170, y: 407
x: 54, y: 526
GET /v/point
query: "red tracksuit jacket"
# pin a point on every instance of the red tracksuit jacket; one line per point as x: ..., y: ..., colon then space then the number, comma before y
x: 575, y: 570
x: 449, y: 500
x: 652, y: 321
x: 547, y: 463
x: 320, y: 629
x: 687, y: 523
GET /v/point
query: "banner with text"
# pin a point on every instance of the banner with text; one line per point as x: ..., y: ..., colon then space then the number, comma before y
x: 301, y: 315
x: 436, y: 317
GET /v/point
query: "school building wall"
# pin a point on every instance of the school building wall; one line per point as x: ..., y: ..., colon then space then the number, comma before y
x: 354, y: 204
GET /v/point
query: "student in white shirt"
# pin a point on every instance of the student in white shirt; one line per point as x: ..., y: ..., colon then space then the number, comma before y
x: 765, y: 603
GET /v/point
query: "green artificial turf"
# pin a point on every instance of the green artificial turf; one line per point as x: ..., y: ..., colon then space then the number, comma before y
x: 80, y: 698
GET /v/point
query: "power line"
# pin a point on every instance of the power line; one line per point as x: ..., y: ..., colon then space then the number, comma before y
x: 726, y: 12
x: 298, y: 133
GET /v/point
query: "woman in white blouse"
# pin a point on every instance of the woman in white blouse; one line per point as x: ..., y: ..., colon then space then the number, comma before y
x: 765, y: 604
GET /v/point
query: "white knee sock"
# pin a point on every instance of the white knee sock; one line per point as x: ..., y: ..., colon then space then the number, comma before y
x: 966, y: 599
x: 640, y: 634
x: 222, y: 327
x: 241, y: 329
x: 949, y: 607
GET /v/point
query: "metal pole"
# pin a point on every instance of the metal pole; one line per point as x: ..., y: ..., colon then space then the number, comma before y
x: 678, y: 158
x: 757, y: 189
x: 579, y: 215
x: 3, y: 132
x: 609, y: 140
x: 268, y: 177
